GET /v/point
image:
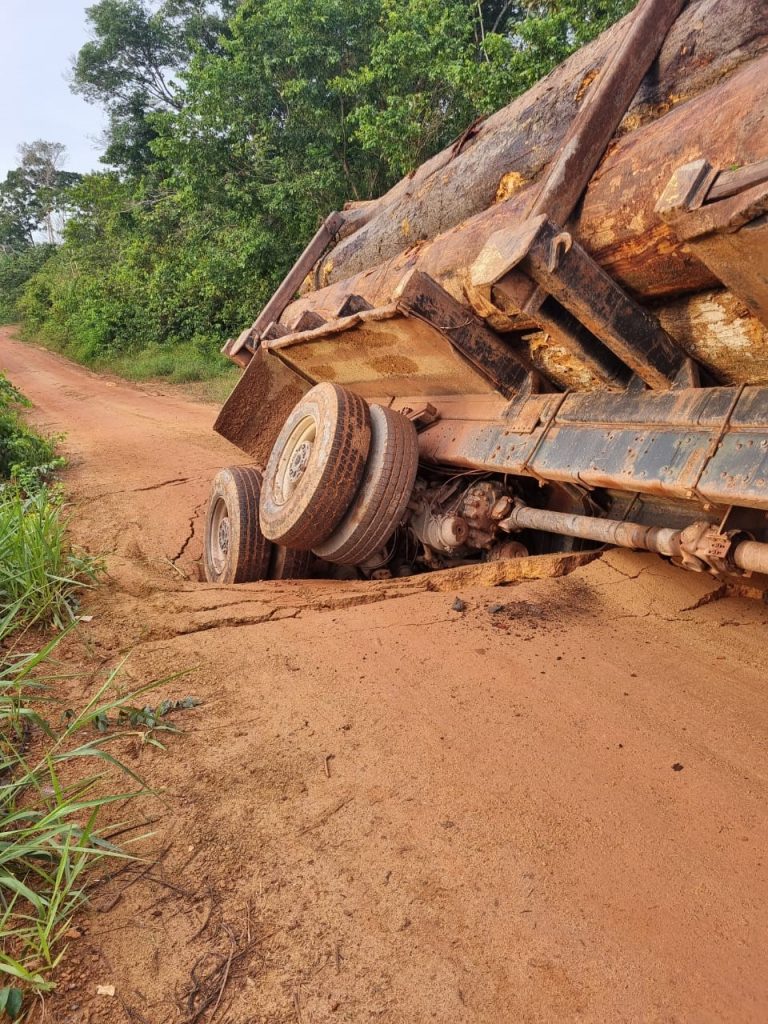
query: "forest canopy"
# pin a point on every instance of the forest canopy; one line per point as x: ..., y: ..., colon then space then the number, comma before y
x: 233, y: 129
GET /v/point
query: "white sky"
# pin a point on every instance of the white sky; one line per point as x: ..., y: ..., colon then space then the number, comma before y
x: 38, y: 38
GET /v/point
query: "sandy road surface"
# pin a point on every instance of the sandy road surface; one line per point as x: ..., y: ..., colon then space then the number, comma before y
x: 390, y: 811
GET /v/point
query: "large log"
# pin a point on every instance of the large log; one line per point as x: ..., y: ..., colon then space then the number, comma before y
x: 714, y: 327
x: 509, y: 150
x: 617, y: 223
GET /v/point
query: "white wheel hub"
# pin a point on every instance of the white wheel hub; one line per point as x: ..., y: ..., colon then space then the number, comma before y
x: 295, y: 458
x: 220, y: 532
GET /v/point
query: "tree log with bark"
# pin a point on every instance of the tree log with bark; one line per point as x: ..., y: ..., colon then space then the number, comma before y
x: 499, y: 158
x: 616, y: 223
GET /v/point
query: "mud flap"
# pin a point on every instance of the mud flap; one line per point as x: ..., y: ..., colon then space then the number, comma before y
x: 254, y: 413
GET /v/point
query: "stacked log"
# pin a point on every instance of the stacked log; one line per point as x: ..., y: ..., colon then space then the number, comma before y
x: 616, y: 222
x: 508, y: 151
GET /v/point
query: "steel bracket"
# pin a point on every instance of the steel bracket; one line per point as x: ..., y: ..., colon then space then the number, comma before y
x: 577, y: 302
x: 422, y: 417
x: 705, y: 548
x: 729, y: 234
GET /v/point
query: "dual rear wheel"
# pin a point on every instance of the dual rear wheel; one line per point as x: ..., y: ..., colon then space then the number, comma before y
x: 337, y: 484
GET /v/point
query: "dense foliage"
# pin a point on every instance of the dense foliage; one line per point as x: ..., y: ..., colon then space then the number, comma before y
x: 236, y: 126
x: 26, y: 458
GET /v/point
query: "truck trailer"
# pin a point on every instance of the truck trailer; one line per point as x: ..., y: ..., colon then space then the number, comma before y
x: 551, y: 335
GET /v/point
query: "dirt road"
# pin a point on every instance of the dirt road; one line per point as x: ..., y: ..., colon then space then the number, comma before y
x: 387, y: 810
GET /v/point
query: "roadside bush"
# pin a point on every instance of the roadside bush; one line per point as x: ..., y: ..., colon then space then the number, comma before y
x: 39, y: 574
x: 26, y: 458
x: 17, y: 267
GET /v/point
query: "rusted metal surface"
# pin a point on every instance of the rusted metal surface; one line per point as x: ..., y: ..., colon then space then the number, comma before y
x: 249, y: 338
x: 611, y: 319
x: 421, y: 297
x: 701, y: 546
x: 730, y: 235
x: 752, y: 556
x: 254, y: 413
x: 704, y: 444
x: 565, y: 330
x: 738, y: 473
x: 383, y: 353
x: 604, y: 531
x: 425, y: 341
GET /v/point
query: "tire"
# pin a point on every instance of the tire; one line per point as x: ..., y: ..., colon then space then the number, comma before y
x: 315, y: 467
x: 234, y: 548
x: 386, y: 487
x: 288, y: 564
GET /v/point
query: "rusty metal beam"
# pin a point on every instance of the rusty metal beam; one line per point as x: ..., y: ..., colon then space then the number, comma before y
x: 729, y: 235
x: 565, y: 330
x: 422, y: 297
x: 598, y: 119
x: 704, y: 444
x: 604, y: 531
x: 700, y: 546
x: 566, y: 272
x: 605, y: 105
x: 248, y: 339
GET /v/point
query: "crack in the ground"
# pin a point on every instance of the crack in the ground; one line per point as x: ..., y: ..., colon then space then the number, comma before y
x: 174, y: 482
x: 243, y: 620
x: 192, y: 528
x: 630, y: 576
x: 720, y: 594
x: 163, y: 483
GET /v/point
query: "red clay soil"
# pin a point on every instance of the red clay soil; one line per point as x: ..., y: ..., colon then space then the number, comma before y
x: 387, y: 810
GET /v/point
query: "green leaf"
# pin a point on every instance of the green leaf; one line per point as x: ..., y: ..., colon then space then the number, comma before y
x: 11, y: 1000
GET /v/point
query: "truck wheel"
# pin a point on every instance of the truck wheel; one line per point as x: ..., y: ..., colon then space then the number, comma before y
x: 288, y: 564
x: 315, y: 467
x: 387, y: 484
x: 235, y: 549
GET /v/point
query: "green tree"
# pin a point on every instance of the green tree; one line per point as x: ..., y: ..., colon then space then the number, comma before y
x: 132, y: 63
x: 435, y: 65
x: 34, y: 195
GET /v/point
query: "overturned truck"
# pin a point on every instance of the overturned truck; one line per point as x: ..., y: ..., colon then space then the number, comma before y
x: 552, y: 334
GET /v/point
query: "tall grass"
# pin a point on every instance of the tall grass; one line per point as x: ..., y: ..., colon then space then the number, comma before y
x: 39, y: 574
x: 57, y: 774
x: 50, y: 814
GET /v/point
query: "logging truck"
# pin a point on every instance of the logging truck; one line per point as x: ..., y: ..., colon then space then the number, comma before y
x: 552, y: 334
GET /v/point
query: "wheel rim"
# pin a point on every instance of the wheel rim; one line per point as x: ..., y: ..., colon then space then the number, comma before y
x: 294, y: 459
x: 219, y: 537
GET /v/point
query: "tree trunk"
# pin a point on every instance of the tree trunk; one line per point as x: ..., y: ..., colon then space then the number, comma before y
x: 510, y: 149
